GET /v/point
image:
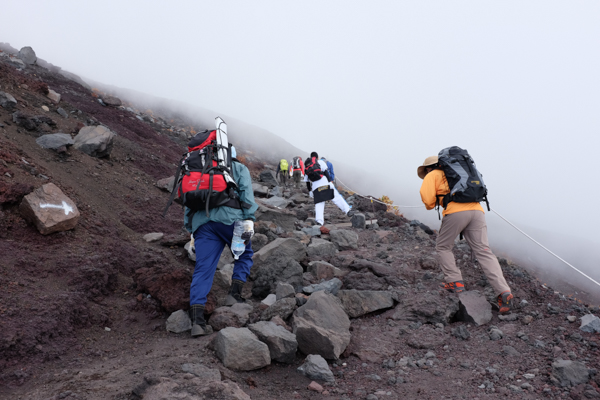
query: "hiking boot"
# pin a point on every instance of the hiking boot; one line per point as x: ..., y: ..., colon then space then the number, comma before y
x: 235, y: 293
x: 455, y: 287
x: 505, y: 302
x: 199, y: 326
x: 350, y: 212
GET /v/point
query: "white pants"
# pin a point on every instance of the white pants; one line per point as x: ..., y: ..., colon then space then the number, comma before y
x: 338, y: 200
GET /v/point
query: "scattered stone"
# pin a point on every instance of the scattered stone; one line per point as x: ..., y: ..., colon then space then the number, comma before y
x: 461, y: 332
x: 571, y: 318
x: 259, y: 190
x: 278, y: 269
x: 240, y: 349
x: 268, y: 177
x: 590, y: 323
x: 570, y: 373
x: 49, y: 210
x: 288, y: 248
x: 282, y: 308
x: 153, y: 237
x: 95, y: 141
x: 315, y: 367
x: 495, y: 333
x: 235, y: 316
x: 315, y: 387
x: 321, y: 269
x: 357, y: 303
x: 111, y: 100
x: 314, y: 230
x: 55, y: 141
x: 511, y: 351
x: 277, y: 201
x: 166, y: 184
x: 269, y: 300
x: 429, y: 307
x: 321, y: 248
x: 7, y: 101
x: 179, y: 322
x: 53, y: 96
x: 331, y: 286
x: 62, y: 112
x: 282, y: 344
x: 474, y: 308
x: 284, y: 290
x: 344, y: 239
x: 359, y: 221
x: 203, y: 372
x: 527, y: 319
x: 509, y: 317
x: 259, y: 241
x: 45, y: 108
x: 322, y: 326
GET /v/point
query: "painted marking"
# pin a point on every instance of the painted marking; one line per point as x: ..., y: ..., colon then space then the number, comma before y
x: 64, y: 206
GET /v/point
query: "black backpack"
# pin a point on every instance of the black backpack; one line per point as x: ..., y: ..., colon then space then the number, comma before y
x: 465, y: 181
x: 312, y: 169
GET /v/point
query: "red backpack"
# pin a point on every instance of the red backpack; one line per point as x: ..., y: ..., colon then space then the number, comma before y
x: 312, y: 169
x: 204, y: 184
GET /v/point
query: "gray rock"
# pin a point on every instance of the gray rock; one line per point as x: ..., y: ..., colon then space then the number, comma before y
x: 282, y: 218
x: 111, y: 100
x: 53, y: 96
x: 27, y: 55
x: 179, y: 322
x: 429, y: 307
x: 357, y: 303
x: 570, y: 373
x: 166, y: 184
x: 268, y: 178
x: 95, y: 141
x: 259, y: 190
x: 240, y: 349
x: 7, y: 101
x: 276, y: 201
x: 313, y: 230
x: 315, y: 367
x: 75, y: 78
x: 54, y: 141
x: 321, y: 248
x: 461, y: 332
x: 259, y: 241
x: 234, y: 316
x: 284, y: 290
x: 344, y: 239
x: 474, y: 308
x: 364, y: 281
x: 495, y: 334
x: 322, y: 326
x: 282, y: 308
x: 282, y: 344
x: 278, y: 269
x: 321, y: 270
x: 203, y: 372
x: 359, y: 221
x: 590, y: 323
x: 62, y: 113
x: 49, y: 210
x: 331, y: 286
x: 511, y: 351
x: 196, y: 388
x: 288, y: 248
x: 153, y: 237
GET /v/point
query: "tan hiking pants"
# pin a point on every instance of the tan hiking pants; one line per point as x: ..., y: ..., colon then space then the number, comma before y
x: 474, y: 229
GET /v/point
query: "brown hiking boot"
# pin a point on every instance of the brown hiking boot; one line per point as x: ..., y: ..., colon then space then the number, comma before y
x: 455, y: 287
x: 505, y: 301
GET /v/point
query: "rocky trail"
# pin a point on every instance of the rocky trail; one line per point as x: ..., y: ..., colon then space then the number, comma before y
x: 94, y: 307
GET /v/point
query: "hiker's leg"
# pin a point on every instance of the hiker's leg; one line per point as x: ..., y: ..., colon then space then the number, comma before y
x: 319, y: 212
x: 452, y: 225
x: 476, y: 235
x: 339, y: 201
x: 209, y: 247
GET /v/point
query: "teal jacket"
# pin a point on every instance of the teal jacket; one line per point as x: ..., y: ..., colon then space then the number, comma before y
x: 227, y: 215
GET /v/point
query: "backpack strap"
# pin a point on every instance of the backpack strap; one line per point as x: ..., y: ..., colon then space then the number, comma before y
x: 176, y: 186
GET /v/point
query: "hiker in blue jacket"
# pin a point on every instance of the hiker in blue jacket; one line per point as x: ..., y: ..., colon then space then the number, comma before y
x: 330, y: 169
x: 211, y: 234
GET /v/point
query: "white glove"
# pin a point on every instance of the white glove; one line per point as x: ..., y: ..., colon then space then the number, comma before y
x: 312, y: 196
x: 248, y: 230
x: 192, y: 245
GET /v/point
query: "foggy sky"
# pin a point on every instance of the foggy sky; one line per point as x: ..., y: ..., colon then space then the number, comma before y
x: 384, y: 83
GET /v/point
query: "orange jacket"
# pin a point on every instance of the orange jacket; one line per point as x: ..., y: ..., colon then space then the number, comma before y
x: 434, y: 184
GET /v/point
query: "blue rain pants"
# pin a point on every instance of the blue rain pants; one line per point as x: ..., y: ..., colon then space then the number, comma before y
x: 210, y: 240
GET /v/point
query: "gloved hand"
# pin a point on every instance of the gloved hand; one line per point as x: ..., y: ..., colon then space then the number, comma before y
x: 248, y: 230
x: 192, y: 246
x: 312, y: 196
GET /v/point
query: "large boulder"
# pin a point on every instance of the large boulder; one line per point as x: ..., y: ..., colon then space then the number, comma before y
x: 7, y: 101
x: 111, y: 100
x: 289, y: 248
x: 240, y: 349
x: 49, y: 210
x: 361, y: 302
x: 268, y: 177
x: 321, y: 248
x: 95, y: 141
x: 282, y: 218
x: 277, y: 202
x: 282, y: 344
x: 279, y: 269
x: 429, y: 307
x: 235, y: 316
x: 27, y: 55
x: 344, y: 239
x: 55, y: 141
x: 282, y: 308
x: 54, y: 96
x: 322, y: 326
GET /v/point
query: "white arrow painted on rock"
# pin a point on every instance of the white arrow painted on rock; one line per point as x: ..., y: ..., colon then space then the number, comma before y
x: 64, y: 206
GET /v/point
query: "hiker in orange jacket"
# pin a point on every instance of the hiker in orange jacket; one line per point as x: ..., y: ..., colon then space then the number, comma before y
x: 297, y: 171
x: 465, y: 218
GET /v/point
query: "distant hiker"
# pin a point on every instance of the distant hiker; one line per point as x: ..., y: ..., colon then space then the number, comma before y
x: 318, y: 182
x: 282, y: 171
x: 297, y: 171
x: 468, y: 219
x: 211, y: 233
x: 330, y: 169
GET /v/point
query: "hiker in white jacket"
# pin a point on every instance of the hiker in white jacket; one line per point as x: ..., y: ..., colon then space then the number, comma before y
x: 321, y: 189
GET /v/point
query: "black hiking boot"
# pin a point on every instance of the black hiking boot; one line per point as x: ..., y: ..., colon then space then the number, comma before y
x: 199, y: 326
x: 235, y: 293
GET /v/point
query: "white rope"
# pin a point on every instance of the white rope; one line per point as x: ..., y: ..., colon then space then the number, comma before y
x: 494, y: 211
x: 544, y: 247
